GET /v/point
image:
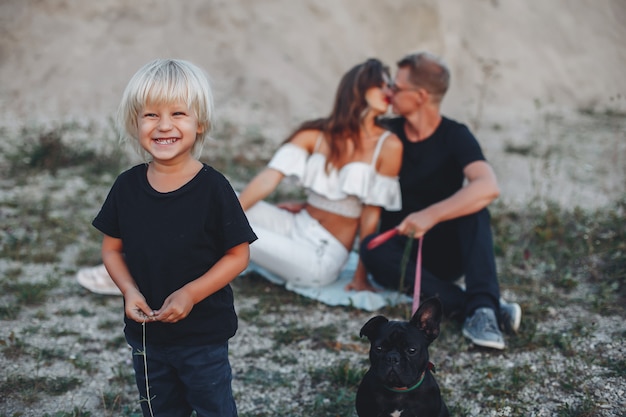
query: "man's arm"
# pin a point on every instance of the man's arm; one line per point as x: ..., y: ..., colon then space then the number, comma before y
x: 481, y: 189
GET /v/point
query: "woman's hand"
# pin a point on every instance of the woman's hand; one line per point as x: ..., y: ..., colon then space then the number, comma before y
x: 292, y: 206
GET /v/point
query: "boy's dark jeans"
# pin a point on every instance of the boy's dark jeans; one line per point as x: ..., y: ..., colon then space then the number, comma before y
x: 185, y: 378
x: 451, y: 249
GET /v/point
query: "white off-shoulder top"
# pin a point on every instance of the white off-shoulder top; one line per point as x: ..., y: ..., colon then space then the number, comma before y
x: 341, y: 191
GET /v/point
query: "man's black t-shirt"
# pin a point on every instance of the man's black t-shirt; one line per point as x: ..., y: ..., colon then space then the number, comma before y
x: 170, y: 239
x: 432, y: 169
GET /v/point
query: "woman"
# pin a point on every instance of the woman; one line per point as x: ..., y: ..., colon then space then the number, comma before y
x: 348, y: 166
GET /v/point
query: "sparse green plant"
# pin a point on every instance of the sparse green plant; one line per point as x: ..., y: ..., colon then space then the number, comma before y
x: 65, y: 312
x: 586, y: 407
x: 109, y: 324
x: 283, y: 359
x: 346, y: 375
x: 257, y: 376
x: 616, y: 367
x: 251, y: 315
x: 325, y: 336
x: 46, y: 149
x: 30, y: 388
x: 41, y: 315
x: 83, y: 312
x: 572, y: 247
x: 122, y: 375
x: 46, y: 355
x: 458, y: 410
x: 63, y: 332
x: 290, y: 335
x: 76, y: 412
x: 83, y: 364
x: 112, y: 400
x: 336, y: 388
x: 89, y: 253
x: 13, y: 347
x: 115, y: 342
x: 334, y: 402
x: 523, y: 150
x: 489, y: 68
x: 30, y: 293
x: 519, y: 377
x: 9, y: 311
x: 11, y: 274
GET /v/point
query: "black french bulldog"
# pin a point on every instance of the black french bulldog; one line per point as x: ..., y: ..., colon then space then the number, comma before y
x: 399, y: 382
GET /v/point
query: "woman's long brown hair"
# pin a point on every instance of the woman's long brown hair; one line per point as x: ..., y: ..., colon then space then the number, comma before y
x: 344, y: 122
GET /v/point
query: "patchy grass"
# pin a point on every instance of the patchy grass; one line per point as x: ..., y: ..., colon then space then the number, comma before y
x: 29, y: 389
x: 63, y: 352
x: 580, y: 253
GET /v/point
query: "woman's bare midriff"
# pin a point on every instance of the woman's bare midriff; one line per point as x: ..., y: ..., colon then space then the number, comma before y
x: 343, y: 228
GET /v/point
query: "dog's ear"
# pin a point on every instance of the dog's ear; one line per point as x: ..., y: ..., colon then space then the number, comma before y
x: 427, y: 318
x: 371, y: 328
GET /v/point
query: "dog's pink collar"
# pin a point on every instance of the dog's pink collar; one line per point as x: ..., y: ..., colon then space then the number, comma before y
x: 431, y: 366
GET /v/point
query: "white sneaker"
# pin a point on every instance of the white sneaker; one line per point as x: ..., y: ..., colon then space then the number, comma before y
x: 510, y: 316
x: 97, y: 280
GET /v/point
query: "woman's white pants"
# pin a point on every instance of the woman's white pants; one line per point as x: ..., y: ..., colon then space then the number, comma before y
x: 295, y: 246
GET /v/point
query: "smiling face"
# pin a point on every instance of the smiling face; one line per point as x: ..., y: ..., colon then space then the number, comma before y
x: 168, y: 131
x: 170, y: 92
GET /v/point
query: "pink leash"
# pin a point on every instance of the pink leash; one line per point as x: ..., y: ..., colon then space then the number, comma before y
x: 382, y: 238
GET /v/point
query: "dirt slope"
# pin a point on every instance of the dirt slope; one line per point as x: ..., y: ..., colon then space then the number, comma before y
x: 277, y: 62
x: 71, y: 59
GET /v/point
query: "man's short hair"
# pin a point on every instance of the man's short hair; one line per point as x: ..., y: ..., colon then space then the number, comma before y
x: 427, y: 71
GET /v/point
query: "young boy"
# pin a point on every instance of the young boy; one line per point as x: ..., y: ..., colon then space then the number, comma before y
x: 174, y: 237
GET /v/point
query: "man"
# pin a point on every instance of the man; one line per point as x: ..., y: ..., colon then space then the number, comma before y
x: 446, y: 187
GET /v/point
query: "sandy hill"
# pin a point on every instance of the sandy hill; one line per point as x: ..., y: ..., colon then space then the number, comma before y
x: 277, y: 62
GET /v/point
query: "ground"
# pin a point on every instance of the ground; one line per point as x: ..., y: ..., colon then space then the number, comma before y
x: 63, y: 353
x: 540, y: 85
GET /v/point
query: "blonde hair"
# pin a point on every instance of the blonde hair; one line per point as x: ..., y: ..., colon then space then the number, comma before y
x: 165, y: 81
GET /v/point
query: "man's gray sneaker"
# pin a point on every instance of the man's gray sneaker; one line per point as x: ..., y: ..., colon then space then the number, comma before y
x: 482, y: 329
x: 510, y: 316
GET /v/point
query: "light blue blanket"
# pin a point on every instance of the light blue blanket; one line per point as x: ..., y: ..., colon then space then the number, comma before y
x: 335, y: 295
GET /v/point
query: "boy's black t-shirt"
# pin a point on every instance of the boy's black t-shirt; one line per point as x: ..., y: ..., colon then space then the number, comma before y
x: 432, y: 169
x: 170, y: 239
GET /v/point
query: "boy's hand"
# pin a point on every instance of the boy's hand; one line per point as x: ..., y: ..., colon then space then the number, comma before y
x: 136, y: 308
x: 175, y: 307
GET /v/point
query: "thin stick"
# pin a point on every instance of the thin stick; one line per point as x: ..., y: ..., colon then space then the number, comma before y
x: 148, y: 398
